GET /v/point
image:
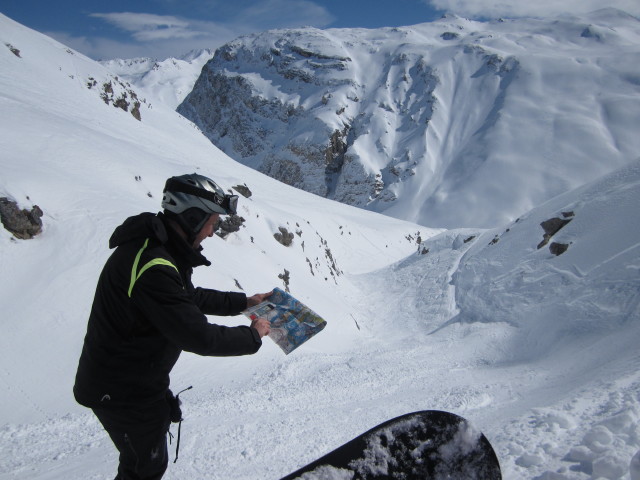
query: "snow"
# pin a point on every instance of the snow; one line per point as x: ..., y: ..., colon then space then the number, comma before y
x: 537, y: 351
x: 167, y: 81
x: 431, y: 118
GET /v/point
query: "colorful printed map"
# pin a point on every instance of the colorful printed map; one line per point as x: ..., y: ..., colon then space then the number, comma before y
x: 292, y: 322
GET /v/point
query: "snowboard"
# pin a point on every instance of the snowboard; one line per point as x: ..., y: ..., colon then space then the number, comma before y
x: 428, y: 444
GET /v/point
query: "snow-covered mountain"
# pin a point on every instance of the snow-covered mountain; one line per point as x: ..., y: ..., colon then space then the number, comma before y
x: 426, y: 123
x: 167, y: 81
x: 529, y: 330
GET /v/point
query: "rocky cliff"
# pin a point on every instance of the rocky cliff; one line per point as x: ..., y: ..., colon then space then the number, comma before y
x: 410, y: 121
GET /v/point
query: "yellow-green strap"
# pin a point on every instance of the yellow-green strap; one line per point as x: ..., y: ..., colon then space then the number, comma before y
x: 134, y: 270
x: 135, y: 275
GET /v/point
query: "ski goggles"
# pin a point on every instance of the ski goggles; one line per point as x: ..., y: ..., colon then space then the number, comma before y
x: 229, y: 203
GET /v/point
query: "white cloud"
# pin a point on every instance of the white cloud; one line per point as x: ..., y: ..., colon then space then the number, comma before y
x: 263, y: 15
x: 536, y: 8
x: 157, y: 36
x: 149, y: 27
x: 158, y: 44
x: 136, y: 21
x: 161, y: 36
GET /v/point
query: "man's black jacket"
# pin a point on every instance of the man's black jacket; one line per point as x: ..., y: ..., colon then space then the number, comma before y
x: 146, y: 312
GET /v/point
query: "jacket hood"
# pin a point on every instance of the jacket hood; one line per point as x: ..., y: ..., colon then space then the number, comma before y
x: 144, y: 225
x: 150, y: 225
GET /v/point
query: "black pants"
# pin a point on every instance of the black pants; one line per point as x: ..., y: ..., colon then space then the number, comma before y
x: 140, y: 435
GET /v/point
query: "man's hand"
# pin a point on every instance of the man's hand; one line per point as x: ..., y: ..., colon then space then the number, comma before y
x: 262, y: 325
x: 257, y: 298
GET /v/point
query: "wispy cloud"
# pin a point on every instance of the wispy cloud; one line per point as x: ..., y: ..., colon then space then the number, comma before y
x: 146, y: 27
x: 149, y: 35
x: 167, y: 35
x: 286, y: 13
x: 523, y: 8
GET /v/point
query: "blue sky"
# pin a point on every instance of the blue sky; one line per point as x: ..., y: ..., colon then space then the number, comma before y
x: 162, y: 28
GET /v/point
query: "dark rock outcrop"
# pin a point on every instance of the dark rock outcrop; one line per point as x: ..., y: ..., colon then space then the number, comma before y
x: 23, y: 224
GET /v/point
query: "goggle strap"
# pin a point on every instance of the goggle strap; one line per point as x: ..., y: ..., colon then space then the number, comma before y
x: 224, y: 202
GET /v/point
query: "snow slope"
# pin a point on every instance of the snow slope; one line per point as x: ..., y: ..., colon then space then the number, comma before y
x: 167, y: 81
x: 454, y: 123
x: 539, y: 351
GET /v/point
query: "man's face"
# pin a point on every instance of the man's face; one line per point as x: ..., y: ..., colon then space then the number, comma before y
x: 207, y: 230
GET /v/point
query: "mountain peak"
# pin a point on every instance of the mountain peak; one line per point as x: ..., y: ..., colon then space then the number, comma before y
x: 408, y: 121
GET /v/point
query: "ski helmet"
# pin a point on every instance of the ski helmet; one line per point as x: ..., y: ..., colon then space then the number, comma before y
x: 194, y: 190
x: 192, y: 198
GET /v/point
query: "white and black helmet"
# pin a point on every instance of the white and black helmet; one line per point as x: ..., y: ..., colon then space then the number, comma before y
x: 197, y: 191
x: 192, y: 199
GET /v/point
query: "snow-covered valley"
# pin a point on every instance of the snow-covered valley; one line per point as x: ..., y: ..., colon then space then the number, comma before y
x: 537, y: 349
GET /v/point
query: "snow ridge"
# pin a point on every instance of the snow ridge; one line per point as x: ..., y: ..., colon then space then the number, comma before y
x: 167, y: 81
x: 418, y: 122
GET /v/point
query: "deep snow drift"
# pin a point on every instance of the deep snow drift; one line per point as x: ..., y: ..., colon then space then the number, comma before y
x: 538, y: 350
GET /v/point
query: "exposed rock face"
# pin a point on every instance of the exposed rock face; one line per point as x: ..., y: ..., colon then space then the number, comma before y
x: 415, y: 121
x: 558, y: 248
x: 285, y: 277
x: 23, y: 224
x: 553, y: 226
x: 118, y: 94
x: 284, y: 236
x: 291, y: 104
x: 229, y: 224
x: 243, y: 190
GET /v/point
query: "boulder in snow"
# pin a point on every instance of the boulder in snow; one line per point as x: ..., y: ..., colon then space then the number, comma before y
x: 23, y: 224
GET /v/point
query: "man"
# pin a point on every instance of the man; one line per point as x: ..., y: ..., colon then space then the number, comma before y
x: 146, y: 312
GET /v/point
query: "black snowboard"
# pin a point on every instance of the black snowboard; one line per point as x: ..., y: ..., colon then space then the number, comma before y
x: 429, y: 444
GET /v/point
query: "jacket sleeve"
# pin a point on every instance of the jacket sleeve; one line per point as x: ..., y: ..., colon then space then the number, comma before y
x: 160, y: 296
x: 213, y: 302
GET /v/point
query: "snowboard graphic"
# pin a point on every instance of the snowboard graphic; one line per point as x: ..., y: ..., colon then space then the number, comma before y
x: 428, y: 444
